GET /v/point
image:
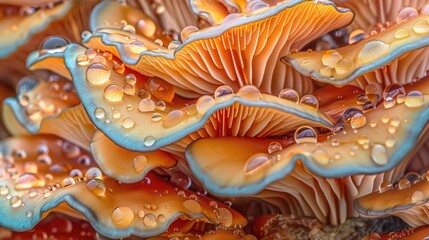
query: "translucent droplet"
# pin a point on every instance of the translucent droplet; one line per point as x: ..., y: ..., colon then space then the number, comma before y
x: 146, y: 26
x: 326, y: 72
x: 128, y: 123
x: 358, y: 120
x: 173, y: 45
x: 385, y: 186
x: 113, y: 93
x: 15, y: 201
x: 149, y: 220
x: 371, y: 51
x: 54, y: 42
x: 414, y: 99
x: 224, y: 216
x: 174, y: 117
x: 118, y: 67
x: 249, y: 92
x: 368, y: 105
x: 389, y: 102
x: 330, y: 58
x: 93, y: 172
x: 149, y: 141
x: 418, y: 196
x: 139, y: 163
x: 404, y: 183
x: 29, y: 213
x: 222, y: 91
x: 361, y: 99
x: 45, y: 159
x: 305, y: 134
x: 310, y: 101
x: 122, y: 216
x: 192, y: 206
x: 393, y: 90
x: 99, y: 113
x: 156, y: 117
x: 356, y: 36
x: 136, y: 47
x: 401, y: 34
x: 204, y: 103
x: 97, y: 73
x: 129, y: 89
x: 116, y: 114
x: 188, y: 31
x: 274, y: 147
x: 28, y: 180
x: 160, y: 105
x: 4, y: 190
x: 68, y: 181
x: 96, y: 186
x: 379, y: 154
x: 344, y: 66
x: 320, y: 156
x: 82, y: 60
x: 130, y: 79
x: 349, y: 113
x: 256, y: 163
x: 129, y: 29
x: 70, y: 150
x: 289, y: 94
x: 146, y: 105
x: 90, y: 53
x: 181, y: 180
x: 406, y: 13
x: 421, y: 27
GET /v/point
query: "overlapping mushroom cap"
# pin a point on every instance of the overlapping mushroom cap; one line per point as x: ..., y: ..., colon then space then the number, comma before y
x: 216, y: 103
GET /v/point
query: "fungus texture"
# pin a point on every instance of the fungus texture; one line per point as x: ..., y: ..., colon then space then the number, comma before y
x: 214, y: 119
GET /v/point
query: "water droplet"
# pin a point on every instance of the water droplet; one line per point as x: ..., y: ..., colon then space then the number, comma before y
x: 249, y: 92
x: 320, y: 156
x: 393, y: 90
x: 130, y: 79
x: 326, y: 72
x: 76, y: 173
x: 181, y: 180
x: 379, y: 154
x: 187, y: 32
x: 223, y: 91
x: 390, y: 142
x: 371, y: 51
x: 401, y: 34
x: 330, y: 58
x: 256, y: 163
x: 129, y: 89
x: 174, y: 117
x: 15, y: 201
x: 274, y: 147
x: 28, y: 180
x: 414, y: 99
x: 156, y: 117
x: 173, y: 44
x: 204, y: 103
x: 45, y: 159
x: 361, y: 99
x: 113, y: 93
x: 116, y: 114
x: 97, y: 73
x: 29, y: 213
x: 4, y: 190
x: 389, y: 102
x: 146, y: 105
x: 305, y: 134
x: 129, y: 29
x: 122, y: 216
x: 139, y: 164
x: 161, y: 218
x: 289, y: 94
x: 358, y: 120
x: 421, y: 27
x: 30, y: 167
x: 310, y: 101
x: 356, y: 36
x: 385, y: 186
x: 418, y: 196
x: 118, y: 67
x: 344, y: 66
x: 68, y: 181
x: 53, y: 42
x: 404, y: 183
x: 93, y: 172
x: 160, y: 105
x: 149, y: 220
x: 136, y: 47
x: 192, y: 206
x: 99, y: 113
x: 90, y: 53
x: 96, y: 186
x: 82, y: 60
x: 149, y: 141
x: 70, y: 150
x: 224, y: 216
x: 127, y: 123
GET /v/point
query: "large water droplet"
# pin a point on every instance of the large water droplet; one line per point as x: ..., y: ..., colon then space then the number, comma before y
x: 93, y: 172
x: 249, y: 92
x: 305, y: 134
x: 404, y: 183
x: 414, y: 99
x: 15, y: 201
x: 379, y: 154
x: 192, y: 206
x: 68, y: 181
x: 256, y: 163
x: 29, y: 180
x: 174, y: 117
x: 149, y: 220
x: 401, y: 34
x: 187, y: 32
x: 330, y: 58
x: 421, y: 27
x: 356, y: 36
x: 146, y: 105
x: 371, y: 51
x: 122, y: 216
x: 406, y: 13
x: 96, y: 186
x: 139, y: 163
x: 97, y: 73
x: 136, y: 47
x: 289, y: 94
x: 99, y: 113
x: 393, y: 90
x: 113, y: 93
x: 310, y: 101
x: 204, y: 103
x: 222, y: 91
x: 224, y: 216
x: 274, y: 147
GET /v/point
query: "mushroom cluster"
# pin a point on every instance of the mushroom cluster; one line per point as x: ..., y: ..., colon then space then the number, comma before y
x: 194, y: 119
